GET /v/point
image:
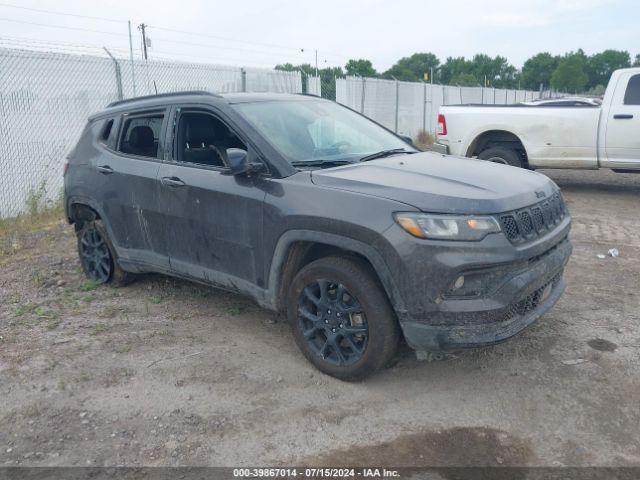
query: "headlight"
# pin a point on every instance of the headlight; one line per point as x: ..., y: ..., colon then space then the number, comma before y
x: 447, y: 227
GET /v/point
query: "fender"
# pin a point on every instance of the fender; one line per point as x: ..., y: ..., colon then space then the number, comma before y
x: 370, y: 253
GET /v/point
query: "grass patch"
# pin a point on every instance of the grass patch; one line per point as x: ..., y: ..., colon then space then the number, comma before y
x: 156, y: 299
x: 39, y: 278
x: 424, y: 140
x: 46, y: 313
x: 23, y: 224
x: 89, y: 286
x: 22, y: 309
x: 233, y: 311
x: 99, y: 328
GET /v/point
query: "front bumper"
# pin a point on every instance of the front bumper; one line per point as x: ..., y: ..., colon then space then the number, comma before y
x: 508, y: 323
x: 522, y: 283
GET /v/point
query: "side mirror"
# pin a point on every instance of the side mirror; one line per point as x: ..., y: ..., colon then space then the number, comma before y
x: 238, y: 162
x: 407, y: 139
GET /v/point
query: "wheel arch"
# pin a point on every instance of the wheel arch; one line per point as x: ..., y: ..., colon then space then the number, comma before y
x: 297, y: 248
x: 81, y: 209
x: 496, y: 137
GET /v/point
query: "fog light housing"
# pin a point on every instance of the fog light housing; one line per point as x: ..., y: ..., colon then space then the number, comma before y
x: 474, y: 283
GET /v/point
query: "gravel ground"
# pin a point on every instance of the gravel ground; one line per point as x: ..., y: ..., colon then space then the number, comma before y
x: 165, y: 372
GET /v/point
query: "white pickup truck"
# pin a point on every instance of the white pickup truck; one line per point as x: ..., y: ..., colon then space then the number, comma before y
x: 551, y: 134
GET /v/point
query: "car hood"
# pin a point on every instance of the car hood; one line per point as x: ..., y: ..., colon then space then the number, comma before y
x: 438, y: 183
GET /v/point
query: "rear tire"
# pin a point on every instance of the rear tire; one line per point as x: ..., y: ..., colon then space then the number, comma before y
x: 341, y: 318
x: 98, y: 257
x: 505, y: 155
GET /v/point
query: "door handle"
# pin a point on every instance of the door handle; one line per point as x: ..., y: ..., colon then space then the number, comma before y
x: 172, y: 182
x: 623, y: 116
x: 106, y: 169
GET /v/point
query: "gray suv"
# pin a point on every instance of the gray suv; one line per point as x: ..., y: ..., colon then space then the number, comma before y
x: 312, y: 209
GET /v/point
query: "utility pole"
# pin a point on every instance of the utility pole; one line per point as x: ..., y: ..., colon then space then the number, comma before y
x: 316, y: 62
x: 133, y: 69
x: 142, y: 28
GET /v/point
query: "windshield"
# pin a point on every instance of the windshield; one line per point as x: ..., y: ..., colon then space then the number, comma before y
x: 309, y: 130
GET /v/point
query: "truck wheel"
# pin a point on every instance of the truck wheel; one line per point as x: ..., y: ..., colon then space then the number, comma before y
x: 97, y: 255
x: 505, y: 155
x: 341, y: 318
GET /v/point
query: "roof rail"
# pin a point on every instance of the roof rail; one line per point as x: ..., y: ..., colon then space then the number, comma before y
x: 162, y: 95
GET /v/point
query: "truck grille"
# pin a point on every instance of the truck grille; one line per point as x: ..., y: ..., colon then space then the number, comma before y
x: 532, y: 222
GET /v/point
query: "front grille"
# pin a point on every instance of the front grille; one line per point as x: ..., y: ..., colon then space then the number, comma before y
x: 532, y: 222
x: 532, y: 300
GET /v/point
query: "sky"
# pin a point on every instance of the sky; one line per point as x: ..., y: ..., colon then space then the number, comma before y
x: 264, y: 33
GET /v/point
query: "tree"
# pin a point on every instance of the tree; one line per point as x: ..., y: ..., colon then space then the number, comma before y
x: 453, y: 67
x: 413, y: 68
x: 361, y: 67
x: 497, y: 71
x: 570, y: 75
x: 538, y: 70
x: 464, y: 80
x: 637, y: 62
x: 327, y: 76
x: 601, y: 65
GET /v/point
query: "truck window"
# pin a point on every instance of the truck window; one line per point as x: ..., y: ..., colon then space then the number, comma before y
x: 140, y: 135
x: 632, y: 95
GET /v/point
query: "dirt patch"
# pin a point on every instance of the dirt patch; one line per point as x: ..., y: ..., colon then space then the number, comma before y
x: 602, y: 345
x: 456, y: 447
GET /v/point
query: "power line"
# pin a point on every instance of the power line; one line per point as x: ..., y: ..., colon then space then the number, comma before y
x: 179, y: 56
x: 59, y: 49
x: 205, y: 35
x: 193, y: 44
x: 200, y: 34
x: 49, y: 43
x: 65, y: 27
x: 51, y: 12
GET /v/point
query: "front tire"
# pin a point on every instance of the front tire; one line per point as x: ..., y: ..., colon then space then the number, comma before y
x: 341, y: 318
x: 505, y: 155
x: 97, y: 255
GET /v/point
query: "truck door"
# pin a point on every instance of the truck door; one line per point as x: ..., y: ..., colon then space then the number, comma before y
x: 622, y: 137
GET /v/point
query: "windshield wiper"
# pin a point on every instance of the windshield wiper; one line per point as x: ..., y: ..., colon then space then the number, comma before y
x: 385, y: 153
x: 315, y: 163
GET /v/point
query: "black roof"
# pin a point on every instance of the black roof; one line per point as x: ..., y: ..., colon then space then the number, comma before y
x: 150, y: 101
x: 161, y: 96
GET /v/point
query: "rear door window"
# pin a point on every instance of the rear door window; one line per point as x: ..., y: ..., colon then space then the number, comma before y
x: 632, y: 95
x: 141, y: 134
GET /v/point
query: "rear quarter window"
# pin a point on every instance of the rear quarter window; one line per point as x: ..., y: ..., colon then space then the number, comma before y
x: 107, y: 128
x: 632, y: 94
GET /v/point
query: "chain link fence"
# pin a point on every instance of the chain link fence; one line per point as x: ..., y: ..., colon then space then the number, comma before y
x: 408, y: 108
x: 46, y: 97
